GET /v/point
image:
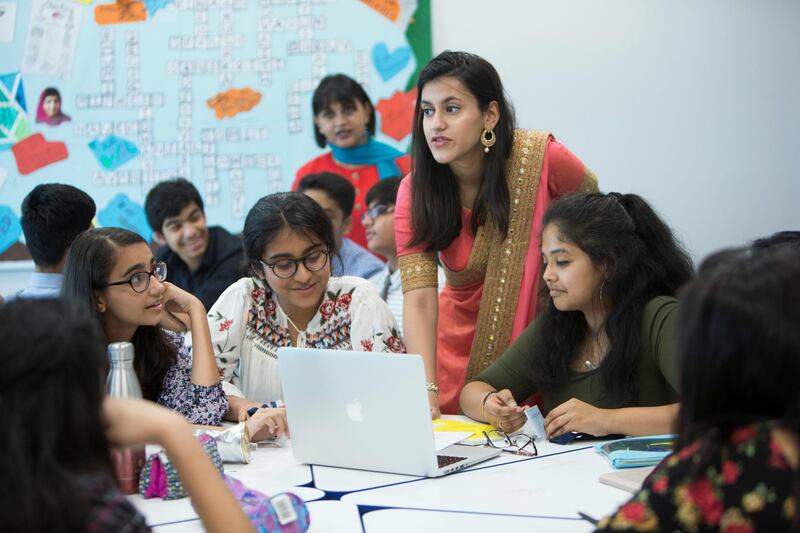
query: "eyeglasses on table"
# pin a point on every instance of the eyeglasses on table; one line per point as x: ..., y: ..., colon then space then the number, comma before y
x: 518, y: 444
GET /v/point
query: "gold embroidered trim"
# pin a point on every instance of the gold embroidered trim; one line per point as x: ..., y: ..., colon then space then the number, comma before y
x: 418, y: 271
x: 589, y: 182
x: 506, y: 263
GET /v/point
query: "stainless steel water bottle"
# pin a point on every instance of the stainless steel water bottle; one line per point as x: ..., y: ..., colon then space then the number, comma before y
x: 122, y: 382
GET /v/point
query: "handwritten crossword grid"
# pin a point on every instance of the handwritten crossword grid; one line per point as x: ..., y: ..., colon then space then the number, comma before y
x: 208, y: 143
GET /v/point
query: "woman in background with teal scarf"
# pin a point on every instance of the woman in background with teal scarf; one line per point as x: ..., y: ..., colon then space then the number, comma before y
x: 344, y: 118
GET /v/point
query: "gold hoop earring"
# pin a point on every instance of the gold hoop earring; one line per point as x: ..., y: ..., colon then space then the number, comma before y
x: 488, y: 139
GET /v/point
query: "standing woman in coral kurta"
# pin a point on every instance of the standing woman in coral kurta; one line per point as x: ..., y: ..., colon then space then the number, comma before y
x: 476, y: 197
x: 344, y: 119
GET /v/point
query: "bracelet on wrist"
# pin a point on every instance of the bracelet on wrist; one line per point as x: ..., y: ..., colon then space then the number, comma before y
x: 431, y: 386
x: 487, y: 396
x: 483, y: 406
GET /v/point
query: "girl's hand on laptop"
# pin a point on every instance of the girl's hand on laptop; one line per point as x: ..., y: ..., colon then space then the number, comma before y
x: 503, y: 412
x: 267, y: 423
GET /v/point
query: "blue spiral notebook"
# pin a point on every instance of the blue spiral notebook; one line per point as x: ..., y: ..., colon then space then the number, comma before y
x: 634, y: 452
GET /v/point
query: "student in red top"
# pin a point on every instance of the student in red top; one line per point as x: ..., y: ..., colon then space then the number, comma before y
x: 344, y: 118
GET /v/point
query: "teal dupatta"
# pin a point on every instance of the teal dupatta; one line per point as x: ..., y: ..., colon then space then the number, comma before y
x: 370, y: 153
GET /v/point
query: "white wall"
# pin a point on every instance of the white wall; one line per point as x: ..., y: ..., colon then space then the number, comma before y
x: 694, y: 104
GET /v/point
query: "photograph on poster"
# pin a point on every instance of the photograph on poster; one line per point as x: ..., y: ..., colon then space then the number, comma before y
x: 49, y: 109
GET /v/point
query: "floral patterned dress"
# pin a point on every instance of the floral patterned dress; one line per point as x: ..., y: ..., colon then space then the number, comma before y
x: 200, y: 404
x: 248, y: 326
x: 748, y: 488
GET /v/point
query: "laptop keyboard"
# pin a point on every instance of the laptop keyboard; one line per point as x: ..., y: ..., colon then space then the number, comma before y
x: 447, y: 460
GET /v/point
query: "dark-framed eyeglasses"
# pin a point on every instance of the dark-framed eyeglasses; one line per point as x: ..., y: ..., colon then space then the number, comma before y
x: 286, y: 268
x: 140, y: 281
x: 376, y: 211
x: 519, y: 444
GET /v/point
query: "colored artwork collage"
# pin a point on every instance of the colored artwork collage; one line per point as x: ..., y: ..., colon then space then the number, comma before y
x: 114, y: 96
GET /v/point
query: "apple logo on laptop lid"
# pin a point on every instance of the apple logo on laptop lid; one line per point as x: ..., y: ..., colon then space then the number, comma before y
x: 354, y: 412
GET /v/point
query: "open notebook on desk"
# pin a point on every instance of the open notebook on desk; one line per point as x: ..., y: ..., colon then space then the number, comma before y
x: 365, y: 410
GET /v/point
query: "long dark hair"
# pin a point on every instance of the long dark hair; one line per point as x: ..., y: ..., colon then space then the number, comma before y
x: 341, y: 89
x: 435, y: 202
x: 739, y: 348
x: 51, y: 390
x: 781, y: 238
x: 90, y: 260
x: 738, y: 342
x: 642, y: 258
x: 274, y: 212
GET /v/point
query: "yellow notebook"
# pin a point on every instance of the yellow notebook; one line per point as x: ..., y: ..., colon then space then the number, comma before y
x: 475, y: 428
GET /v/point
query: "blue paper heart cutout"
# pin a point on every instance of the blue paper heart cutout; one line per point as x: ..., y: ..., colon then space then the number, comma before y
x: 389, y: 64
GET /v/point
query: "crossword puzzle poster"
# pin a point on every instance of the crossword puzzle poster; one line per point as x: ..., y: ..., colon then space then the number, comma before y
x: 113, y: 96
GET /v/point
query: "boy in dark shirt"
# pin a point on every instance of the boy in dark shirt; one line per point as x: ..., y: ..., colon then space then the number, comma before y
x: 201, y: 260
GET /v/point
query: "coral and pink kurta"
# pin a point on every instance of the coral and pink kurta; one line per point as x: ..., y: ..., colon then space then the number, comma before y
x: 490, y: 295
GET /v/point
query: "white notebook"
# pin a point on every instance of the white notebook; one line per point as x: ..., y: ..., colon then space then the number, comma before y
x: 629, y: 479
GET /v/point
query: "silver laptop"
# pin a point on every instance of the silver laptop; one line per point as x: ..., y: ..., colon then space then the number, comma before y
x: 365, y: 410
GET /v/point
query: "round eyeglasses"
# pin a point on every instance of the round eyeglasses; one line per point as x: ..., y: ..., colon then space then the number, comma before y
x: 140, y: 281
x: 286, y: 268
x: 376, y: 211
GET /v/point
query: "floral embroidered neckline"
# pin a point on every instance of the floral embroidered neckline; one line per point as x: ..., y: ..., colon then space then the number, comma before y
x: 301, y: 333
x: 333, y: 304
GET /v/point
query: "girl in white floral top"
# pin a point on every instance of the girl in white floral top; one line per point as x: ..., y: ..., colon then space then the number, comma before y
x: 291, y: 301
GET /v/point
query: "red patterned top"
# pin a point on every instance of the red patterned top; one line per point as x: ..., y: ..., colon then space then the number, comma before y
x: 748, y: 487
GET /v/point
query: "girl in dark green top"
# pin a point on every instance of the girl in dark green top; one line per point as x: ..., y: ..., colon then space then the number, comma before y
x: 601, y: 353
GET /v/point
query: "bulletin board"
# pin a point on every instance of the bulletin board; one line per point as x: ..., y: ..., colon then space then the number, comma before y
x: 215, y: 91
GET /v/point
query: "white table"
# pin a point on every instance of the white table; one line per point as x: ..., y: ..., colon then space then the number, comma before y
x: 343, y: 480
x: 326, y: 517
x: 552, y: 486
x: 507, y: 493
x: 423, y: 521
x: 272, y: 470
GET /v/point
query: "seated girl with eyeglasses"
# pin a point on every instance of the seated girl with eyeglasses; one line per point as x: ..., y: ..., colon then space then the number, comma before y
x: 291, y: 300
x: 112, y: 272
x: 601, y: 354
